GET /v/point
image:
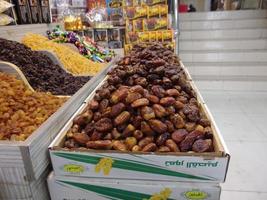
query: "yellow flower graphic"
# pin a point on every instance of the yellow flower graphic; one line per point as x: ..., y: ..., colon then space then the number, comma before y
x: 104, y: 164
x: 163, y: 195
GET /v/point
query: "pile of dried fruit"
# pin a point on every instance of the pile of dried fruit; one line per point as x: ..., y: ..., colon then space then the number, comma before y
x: 40, y: 71
x: 72, y: 60
x: 148, y: 105
x: 21, y: 110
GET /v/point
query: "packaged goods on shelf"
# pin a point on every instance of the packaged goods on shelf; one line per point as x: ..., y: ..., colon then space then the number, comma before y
x: 23, y: 110
x: 147, y: 118
x: 72, y: 61
x: 40, y: 71
x: 5, y: 19
x: 81, y: 188
x: 86, y: 46
x: 4, y: 5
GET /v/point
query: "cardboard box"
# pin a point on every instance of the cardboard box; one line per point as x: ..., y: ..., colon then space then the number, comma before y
x: 179, y: 166
x: 62, y: 188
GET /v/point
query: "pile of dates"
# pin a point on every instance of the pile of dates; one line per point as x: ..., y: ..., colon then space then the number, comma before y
x: 146, y: 105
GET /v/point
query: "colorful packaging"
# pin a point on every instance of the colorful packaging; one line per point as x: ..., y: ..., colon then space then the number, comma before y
x: 130, y: 12
x: 153, y: 36
x: 155, y: 24
x: 129, y: 25
x: 159, y: 36
x: 101, y: 36
x: 154, y: 11
x: 143, y: 36
x: 141, y: 11
x: 132, y: 37
x: 131, y: 3
x: 127, y: 48
x: 114, y: 3
x: 138, y: 25
x: 163, y: 10
x: 153, y: 2
x: 167, y: 35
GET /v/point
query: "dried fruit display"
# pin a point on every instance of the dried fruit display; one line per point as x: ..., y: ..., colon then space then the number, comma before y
x: 42, y: 74
x: 23, y: 111
x: 72, y: 60
x: 146, y: 105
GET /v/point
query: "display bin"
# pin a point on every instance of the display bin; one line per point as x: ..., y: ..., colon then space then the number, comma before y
x: 76, y: 188
x: 25, y: 161
x: 179, y: 166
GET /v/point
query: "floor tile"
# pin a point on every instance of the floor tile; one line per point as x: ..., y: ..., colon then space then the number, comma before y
x: 240, y: 195
x: 238, y: 127
x: 247, y: 169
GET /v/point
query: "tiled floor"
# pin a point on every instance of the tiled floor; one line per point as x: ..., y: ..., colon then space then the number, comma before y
x: 241, y: 118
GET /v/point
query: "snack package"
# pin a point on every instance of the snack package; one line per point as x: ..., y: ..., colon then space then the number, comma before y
x: 159, y: 36
x: 129, y: 12
x: 129, y: 25
x: 131, y: 3
x: 5, y: 19
x: 141, y: 11
x: 154, y: 11
x: 163, y: 10
x: 127, y: 48
x: 132, y: 37
x: 167, y: 36
x: 143, y: 36
x: 116, y: 14
x: 101, y: 36
x: 155, y: 24
x: 153, y: 36
x: 138, y: 25
x: 153, y: 2
x: 4, y: 5
x: 114, y: 3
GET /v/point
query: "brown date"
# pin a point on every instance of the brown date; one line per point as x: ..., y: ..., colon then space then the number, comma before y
x: 159, y: 111
x: 122, y: 118
x: 81, y: 138
x: 157, y: 126
x: 146, y: 129
x: 147, y: 113
x: 99, y: 144
x: 117, y: 109
x: 140, y: 102
x: 150, y: 147
x: 179, y: 135
x: 104, y: 125
x: 172, y: 145
x: 201, y: 145
x: 167, y: 101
